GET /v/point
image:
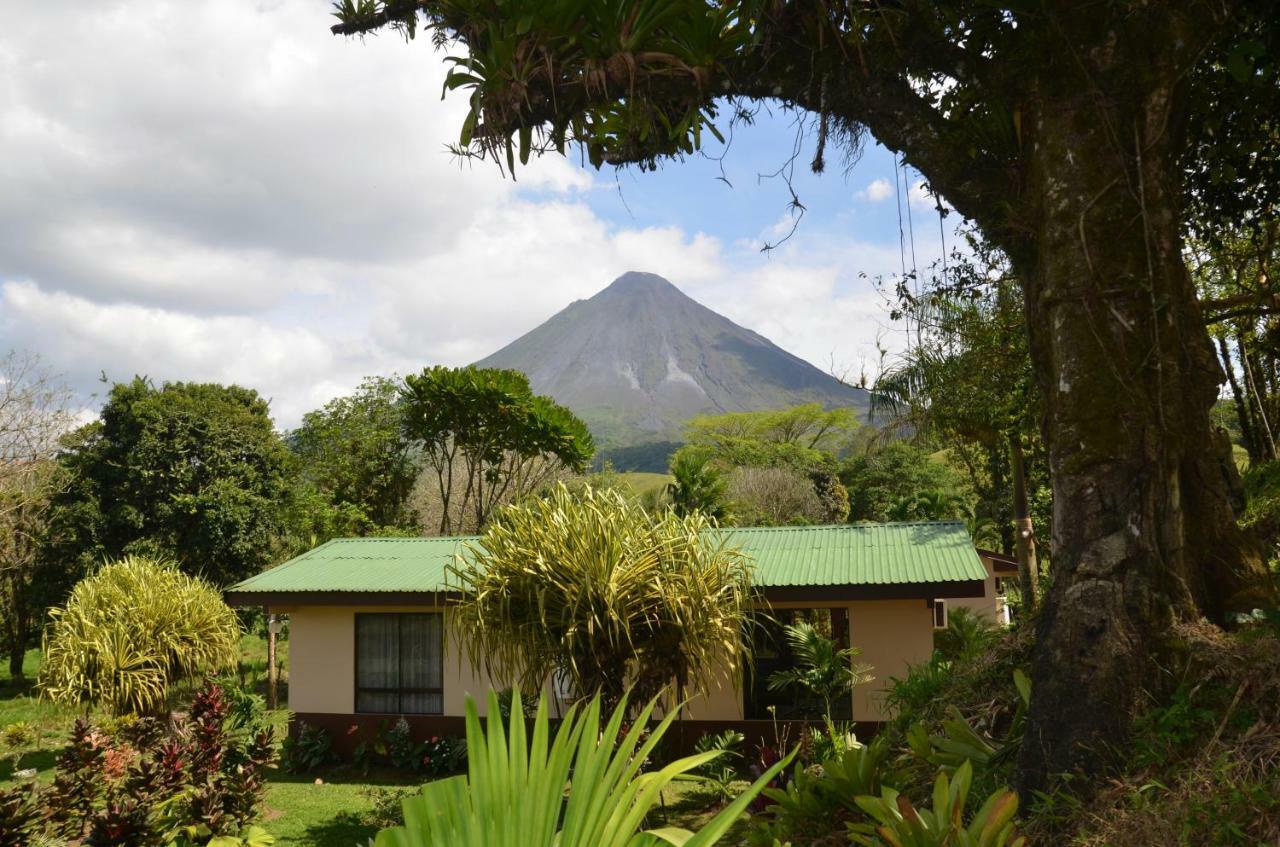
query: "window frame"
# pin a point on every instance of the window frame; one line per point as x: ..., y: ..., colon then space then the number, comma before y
x: 940, y: 605
x: 398, y: 691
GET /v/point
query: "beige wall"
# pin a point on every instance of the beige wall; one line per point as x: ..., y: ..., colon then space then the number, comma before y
x: 991, y: 604
x: 322, y: 662
x: 891, y: 634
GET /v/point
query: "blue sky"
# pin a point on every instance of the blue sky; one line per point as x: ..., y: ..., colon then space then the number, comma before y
x: 220, y: 190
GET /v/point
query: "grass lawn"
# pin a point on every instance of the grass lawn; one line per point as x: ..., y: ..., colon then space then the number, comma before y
x: 331, y: 811
x: 642, y: 483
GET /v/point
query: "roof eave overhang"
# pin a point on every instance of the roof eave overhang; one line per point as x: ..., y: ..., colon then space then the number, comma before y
x: 888, y: 591
x: 338, y: 598
x: 778, y: 593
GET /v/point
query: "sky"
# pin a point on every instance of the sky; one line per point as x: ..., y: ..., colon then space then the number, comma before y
x: 223, y: 191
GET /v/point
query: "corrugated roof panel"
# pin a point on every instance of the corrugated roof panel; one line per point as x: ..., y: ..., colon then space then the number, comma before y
x: 854, y: 554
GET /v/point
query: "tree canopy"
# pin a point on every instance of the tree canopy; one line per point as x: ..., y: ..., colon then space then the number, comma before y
x: 356, y: 453
x: 487, y: 438
x: 189, y: 471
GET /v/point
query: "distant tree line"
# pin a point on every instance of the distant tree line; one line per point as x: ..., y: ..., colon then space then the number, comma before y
x: 198, y: 473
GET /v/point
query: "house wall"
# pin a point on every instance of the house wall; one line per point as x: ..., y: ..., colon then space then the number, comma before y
x: 991, y: 604
x: 890, y: 633
x: 322, y: 662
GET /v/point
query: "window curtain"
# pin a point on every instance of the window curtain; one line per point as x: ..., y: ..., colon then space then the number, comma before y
x: 377, y: 663
x: 400, y: 663
x: 421, y: 664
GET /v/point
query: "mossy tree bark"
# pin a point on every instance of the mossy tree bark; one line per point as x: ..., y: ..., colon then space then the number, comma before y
x: 1145, y: 490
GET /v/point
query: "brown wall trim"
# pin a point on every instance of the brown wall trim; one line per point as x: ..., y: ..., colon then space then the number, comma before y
x: 792, y: 593
x: 347, y: 731
x: 338, y: 598
x: 901, y: 591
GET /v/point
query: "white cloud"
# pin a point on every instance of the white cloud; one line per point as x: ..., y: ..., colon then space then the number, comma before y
x: 877, y: 190
x: 223, y: 191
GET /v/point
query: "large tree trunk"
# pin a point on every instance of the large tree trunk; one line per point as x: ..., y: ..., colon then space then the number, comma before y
x: 1145, y: 492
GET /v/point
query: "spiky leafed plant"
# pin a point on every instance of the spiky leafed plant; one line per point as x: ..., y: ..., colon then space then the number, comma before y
x: 132, y: 629
x: 821, y: 668
x: 589, y: 585
x: 514, y: 792
x: 699, y: 486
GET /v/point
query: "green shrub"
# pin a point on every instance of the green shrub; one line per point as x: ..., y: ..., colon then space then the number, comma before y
x: 898, y: 822
x: 811, y: 807
x: 20, y: 815
x: 514, y: 794
x: 18, y: 734
x: 199, y: 782
x: 131, y: 630
x: 307, y: 748
x: 719, y: 774
x: 967, y: 634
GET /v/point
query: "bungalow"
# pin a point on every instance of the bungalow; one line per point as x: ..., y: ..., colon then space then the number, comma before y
x: 367, y: 634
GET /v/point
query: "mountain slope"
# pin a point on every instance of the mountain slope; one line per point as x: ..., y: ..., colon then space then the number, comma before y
x: 640, y: 358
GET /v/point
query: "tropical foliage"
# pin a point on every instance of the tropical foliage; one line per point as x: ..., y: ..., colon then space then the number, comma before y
x: 1046, y: 164
x: 487, y: 439
x: 900, y: 824
x: 149, y: 783
x: 592, y: 587
x: 822, y: 669
x: 191, y: 472
x: 131, y: 630
x: 901, y: 481
x: 354, y: 451
x: 698, y: 486
x: 966, y: 384
x: 514, y: 793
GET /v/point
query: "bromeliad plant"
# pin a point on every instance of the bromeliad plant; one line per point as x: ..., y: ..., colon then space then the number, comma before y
x: 899, y: 824
x: 130, y: 631
x: 591, y: 586
x: 585, y: 787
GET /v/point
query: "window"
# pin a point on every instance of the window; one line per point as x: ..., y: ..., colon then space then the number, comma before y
x: 939, y: 614
x: 772, y: 653
x: 400, y: 664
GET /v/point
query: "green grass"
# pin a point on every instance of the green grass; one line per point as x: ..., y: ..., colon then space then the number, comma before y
x: 642, y: 483
x: 329, y: 810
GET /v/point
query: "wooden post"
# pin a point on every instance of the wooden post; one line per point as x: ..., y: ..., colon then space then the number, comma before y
x: 271, y: 661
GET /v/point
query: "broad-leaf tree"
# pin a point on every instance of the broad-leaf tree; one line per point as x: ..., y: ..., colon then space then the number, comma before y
x: 487, y: 439
x: 893, y: 482
x: 1072, y: 135
x: 780, y: 463
x: 354, y: 451
x: 188, y: 471
x: 590, y: 586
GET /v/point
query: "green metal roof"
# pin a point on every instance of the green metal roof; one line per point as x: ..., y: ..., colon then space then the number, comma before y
x: 845, y: 555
